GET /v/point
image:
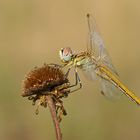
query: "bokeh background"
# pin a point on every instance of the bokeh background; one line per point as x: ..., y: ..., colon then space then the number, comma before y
x: 32, y: 32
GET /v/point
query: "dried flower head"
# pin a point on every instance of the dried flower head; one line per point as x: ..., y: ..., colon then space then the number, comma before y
x: 44, y: 81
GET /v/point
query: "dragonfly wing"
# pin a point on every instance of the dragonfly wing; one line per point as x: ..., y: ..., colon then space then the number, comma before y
x: 97, y: 49
x: 89, y: 70
x: 109, y: 90
x: 106, y: 60
x: 96, y: 45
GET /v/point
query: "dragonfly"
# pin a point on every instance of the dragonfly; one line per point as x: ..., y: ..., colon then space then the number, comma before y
x: 96, y: 64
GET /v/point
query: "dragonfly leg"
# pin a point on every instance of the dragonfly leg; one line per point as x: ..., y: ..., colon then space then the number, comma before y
x: 77, y: 82
x: 67, y: 73
x: 54, y: 65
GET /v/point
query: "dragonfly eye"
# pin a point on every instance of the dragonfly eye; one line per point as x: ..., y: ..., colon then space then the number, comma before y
x: 66, y: 54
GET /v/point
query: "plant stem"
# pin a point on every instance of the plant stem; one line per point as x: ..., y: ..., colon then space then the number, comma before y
x: 54, y: 117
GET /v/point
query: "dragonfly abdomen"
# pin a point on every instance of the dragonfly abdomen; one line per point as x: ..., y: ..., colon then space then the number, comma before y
x: 107, y: 75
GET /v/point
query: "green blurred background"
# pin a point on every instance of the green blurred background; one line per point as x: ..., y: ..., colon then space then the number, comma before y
x: 32, y: 32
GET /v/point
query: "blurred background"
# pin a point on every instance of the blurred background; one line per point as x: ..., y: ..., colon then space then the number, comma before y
x: 32, y: 32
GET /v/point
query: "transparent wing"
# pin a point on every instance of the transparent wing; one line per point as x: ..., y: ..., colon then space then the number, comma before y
x: 97, y: 48
x: 88, y: 69
x: 96, y: 45
x: 109, y: 90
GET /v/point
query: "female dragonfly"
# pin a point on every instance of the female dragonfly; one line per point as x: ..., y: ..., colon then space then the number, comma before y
x: 96, y: 63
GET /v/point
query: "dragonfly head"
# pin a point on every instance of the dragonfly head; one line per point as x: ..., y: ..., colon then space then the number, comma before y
x: 66, y: 54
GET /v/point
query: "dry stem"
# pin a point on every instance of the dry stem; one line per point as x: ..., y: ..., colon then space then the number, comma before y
x: 52, y: 108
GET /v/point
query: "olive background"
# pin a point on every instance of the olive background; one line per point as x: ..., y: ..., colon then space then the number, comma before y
x: 32, y: 33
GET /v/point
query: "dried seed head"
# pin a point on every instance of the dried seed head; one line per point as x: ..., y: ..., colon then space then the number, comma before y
x: 42, y: 80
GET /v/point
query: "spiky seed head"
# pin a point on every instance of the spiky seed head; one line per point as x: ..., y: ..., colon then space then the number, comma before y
x: 42, y: 80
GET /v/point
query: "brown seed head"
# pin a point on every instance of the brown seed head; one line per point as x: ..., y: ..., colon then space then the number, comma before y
x: 42, y: 80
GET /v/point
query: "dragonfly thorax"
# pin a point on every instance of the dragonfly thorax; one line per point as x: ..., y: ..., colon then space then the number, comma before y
x: 84, y: 59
